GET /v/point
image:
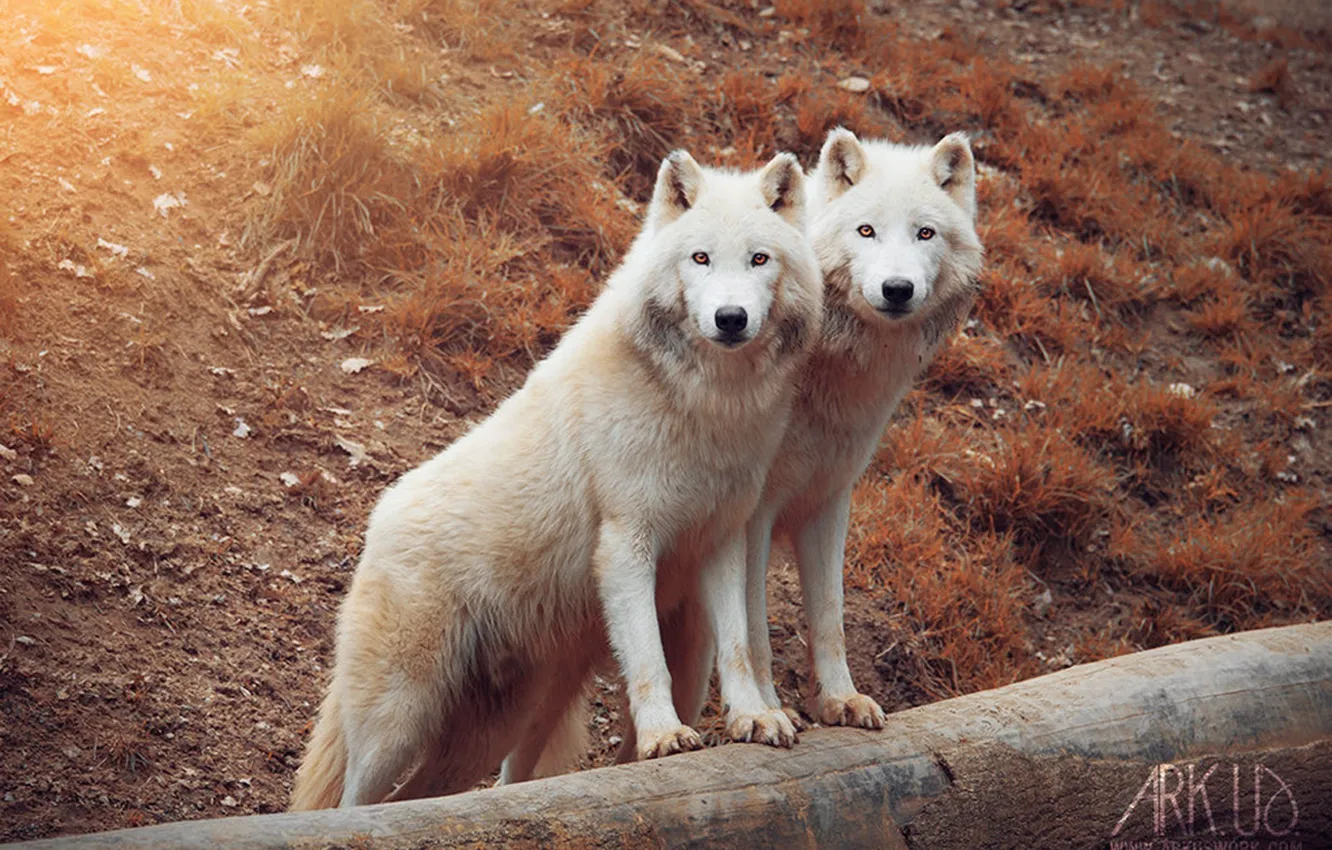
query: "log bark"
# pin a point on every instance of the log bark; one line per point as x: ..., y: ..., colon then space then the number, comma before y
x: 1078, y: 758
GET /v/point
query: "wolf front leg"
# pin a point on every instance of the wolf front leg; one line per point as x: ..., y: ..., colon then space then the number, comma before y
x: 758, y: 547
x: 626, y: 570
x: 820, y: 550
x: 748, y: 717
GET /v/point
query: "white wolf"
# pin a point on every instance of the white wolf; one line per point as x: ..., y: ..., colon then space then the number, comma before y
x: 894, y: 230
x: 580, y: 512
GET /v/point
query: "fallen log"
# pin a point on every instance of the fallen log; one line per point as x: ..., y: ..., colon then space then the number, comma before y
x: 1228, y: 737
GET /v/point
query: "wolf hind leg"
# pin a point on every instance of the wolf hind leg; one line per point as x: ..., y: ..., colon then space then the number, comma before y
x: 555, y: 732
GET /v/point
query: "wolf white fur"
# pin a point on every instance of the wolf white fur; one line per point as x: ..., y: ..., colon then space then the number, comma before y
x: 894, y: 230
x: 580, y: 513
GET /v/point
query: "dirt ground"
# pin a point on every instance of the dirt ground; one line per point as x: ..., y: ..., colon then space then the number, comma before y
x: 186, y: 469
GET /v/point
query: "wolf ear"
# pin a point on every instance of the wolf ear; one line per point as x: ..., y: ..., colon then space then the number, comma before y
x: 679, y: 180
x: 783, y: 184
x: 954, y: 169
x: 842, y: 161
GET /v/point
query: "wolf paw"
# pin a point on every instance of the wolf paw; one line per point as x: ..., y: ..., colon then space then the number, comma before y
x: 655, y: 745
x: 773, y: 727
x: 797, y: 720
x: 855, y: 710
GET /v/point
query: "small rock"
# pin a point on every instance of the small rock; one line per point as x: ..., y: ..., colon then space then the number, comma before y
x: 1305, y: 423
x: 854, y: 84
x: 243, y: 429
x: 121, y: 251
x: 133, y: 502
x: 7, y: 453
x: 230, y: 802
x: 340, y: 333
x: 357, y: 452
x: 23, y: 480
x: 1182, y: 390
x: 615, y: 740
x: 25, y: 640
x: 1042, y: 602
x: 168, y: 201
x: 352, y: 365
x: 289, y: 479
x: 670, y: 53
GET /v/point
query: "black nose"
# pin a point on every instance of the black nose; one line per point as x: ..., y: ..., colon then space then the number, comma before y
x: 897, y: 290
x: 731, y: 320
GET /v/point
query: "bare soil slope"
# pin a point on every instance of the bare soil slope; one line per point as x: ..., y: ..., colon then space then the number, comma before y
x: 258, y: 260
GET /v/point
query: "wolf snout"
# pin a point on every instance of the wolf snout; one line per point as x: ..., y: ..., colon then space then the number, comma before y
x: 897, y: 291
x: 731, y: 323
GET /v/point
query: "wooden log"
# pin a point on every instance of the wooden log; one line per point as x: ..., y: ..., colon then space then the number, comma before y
x: 1081, y: 757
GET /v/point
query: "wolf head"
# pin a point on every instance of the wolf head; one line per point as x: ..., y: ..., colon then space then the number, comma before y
x: 894, y: 225
x: 728, y: 259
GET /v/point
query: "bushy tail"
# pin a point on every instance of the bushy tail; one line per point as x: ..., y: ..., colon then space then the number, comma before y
x: 568, y: 740
x: 319, y: 779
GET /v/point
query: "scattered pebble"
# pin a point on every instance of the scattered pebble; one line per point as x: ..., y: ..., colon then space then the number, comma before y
x: 356, y: 451
x: 289, y: 479
x: 243, y: 429
x: 340, y: 333
x: 168, y: 201
x: 1182, y: 390
x: 352, y: 365
x: 117, y: 249
x: 230, y: 802
x: 7, y: 453
x: 857, y: 85
x: 77, y: 269
x: 23, y: 480
x: 670, y: 53
x: 25, y: 640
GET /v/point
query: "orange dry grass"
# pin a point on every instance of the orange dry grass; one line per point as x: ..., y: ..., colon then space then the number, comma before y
x: 841, y: 24
x: 335, y: 179
x: 1039, y: 488
x: 638, y: 108
x: 1256, y: 559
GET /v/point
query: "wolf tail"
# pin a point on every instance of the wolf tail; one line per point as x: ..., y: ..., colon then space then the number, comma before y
x: 319, y: 779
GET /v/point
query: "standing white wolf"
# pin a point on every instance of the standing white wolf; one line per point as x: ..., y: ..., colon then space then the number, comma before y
x: 582, y: 510
x: 894, y: 230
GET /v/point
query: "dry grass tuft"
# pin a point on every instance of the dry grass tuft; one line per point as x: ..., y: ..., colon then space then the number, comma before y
x: 477, y: 28
x: 968, y: 365
x: 840, y: 24
x: 1107, y: 282
x: 639, y: 109
x: 1273, y: 78
x: 334, y: 178
x: 1255, y: 559
x: 1225, y: 316
x: 1038, y: 488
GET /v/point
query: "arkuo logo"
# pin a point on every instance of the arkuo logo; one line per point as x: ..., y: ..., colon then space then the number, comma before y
x: 1243, y: 801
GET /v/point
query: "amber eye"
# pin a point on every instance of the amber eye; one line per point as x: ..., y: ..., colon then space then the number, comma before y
x: 925, y: 234
x: 759, y: 259
x: 701, y: 258
x: 866, y: 231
